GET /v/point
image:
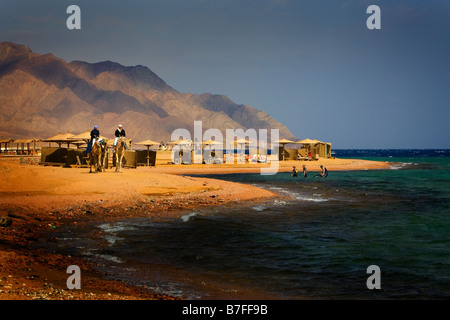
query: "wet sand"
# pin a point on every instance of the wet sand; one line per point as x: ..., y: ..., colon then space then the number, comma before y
x: 39, y: 200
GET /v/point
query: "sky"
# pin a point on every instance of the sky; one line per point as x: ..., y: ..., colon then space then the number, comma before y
x: 314, y: 66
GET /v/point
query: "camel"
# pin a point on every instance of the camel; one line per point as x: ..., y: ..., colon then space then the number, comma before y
x: 104, y: 158
x: 95, y: 157
x: 120, y: 151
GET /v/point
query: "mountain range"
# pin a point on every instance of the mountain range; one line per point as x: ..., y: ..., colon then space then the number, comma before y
x: 43, y: 95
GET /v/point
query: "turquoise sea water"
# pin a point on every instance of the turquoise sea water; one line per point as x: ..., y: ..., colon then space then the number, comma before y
x: 317, y: 243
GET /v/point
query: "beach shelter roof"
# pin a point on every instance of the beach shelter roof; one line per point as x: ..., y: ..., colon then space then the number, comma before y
x: 84, y: 136
x: 321, y: 142
x: 26, y: 140
x: 6, y: 140
x: 181, y: 142
x: 60, y: 137
x: 209, y: 142
x: 148, y: 142
x: 308, y: 141
x: 284, y: 141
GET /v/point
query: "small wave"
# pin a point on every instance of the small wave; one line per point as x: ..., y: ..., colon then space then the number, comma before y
x: 71, y: 239
x: 259, y: 208
x: 316, y: 197
x: 110, y: 258
x: 312, y: 199
x: 113, y: 228
x: 188, y: 217
x: 102, y: 256
x: 279, y: 202
x: 413, y: 165
x: 110, y: 230
x: 111, y: 239
x: 172, y: 289
x: 401, y: 165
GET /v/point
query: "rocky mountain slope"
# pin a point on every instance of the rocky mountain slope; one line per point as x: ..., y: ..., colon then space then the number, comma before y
x: 43, y: 95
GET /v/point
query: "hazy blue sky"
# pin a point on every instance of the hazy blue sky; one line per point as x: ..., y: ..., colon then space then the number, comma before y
x: 313, y: 65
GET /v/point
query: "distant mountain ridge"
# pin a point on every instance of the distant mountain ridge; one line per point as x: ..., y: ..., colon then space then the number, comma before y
x: 42, y: 95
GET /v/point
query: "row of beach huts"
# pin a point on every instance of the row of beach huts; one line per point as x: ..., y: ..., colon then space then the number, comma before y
x: 70, y: 150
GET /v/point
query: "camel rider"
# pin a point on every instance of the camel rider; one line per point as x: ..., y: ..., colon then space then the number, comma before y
x: 120, y: 132
x: 95, y: 134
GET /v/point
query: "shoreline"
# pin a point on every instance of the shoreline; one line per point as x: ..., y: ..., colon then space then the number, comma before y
x: 284, y: 166
x: 40, y: 200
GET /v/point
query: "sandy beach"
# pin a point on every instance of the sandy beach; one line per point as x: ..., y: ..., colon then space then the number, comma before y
x: 37, y: 200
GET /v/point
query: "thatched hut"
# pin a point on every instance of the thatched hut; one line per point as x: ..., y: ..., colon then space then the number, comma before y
x: 27, y: 142
x: 6, y: 142
x: 60, y: 139
x: 314, y: 149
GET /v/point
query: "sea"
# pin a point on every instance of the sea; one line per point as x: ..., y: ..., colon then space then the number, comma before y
x: 368, y: 234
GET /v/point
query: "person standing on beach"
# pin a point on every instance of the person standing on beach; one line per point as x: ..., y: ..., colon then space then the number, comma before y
x: 95, y: 134
x: 120, y: 132
x: 294, y: 171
